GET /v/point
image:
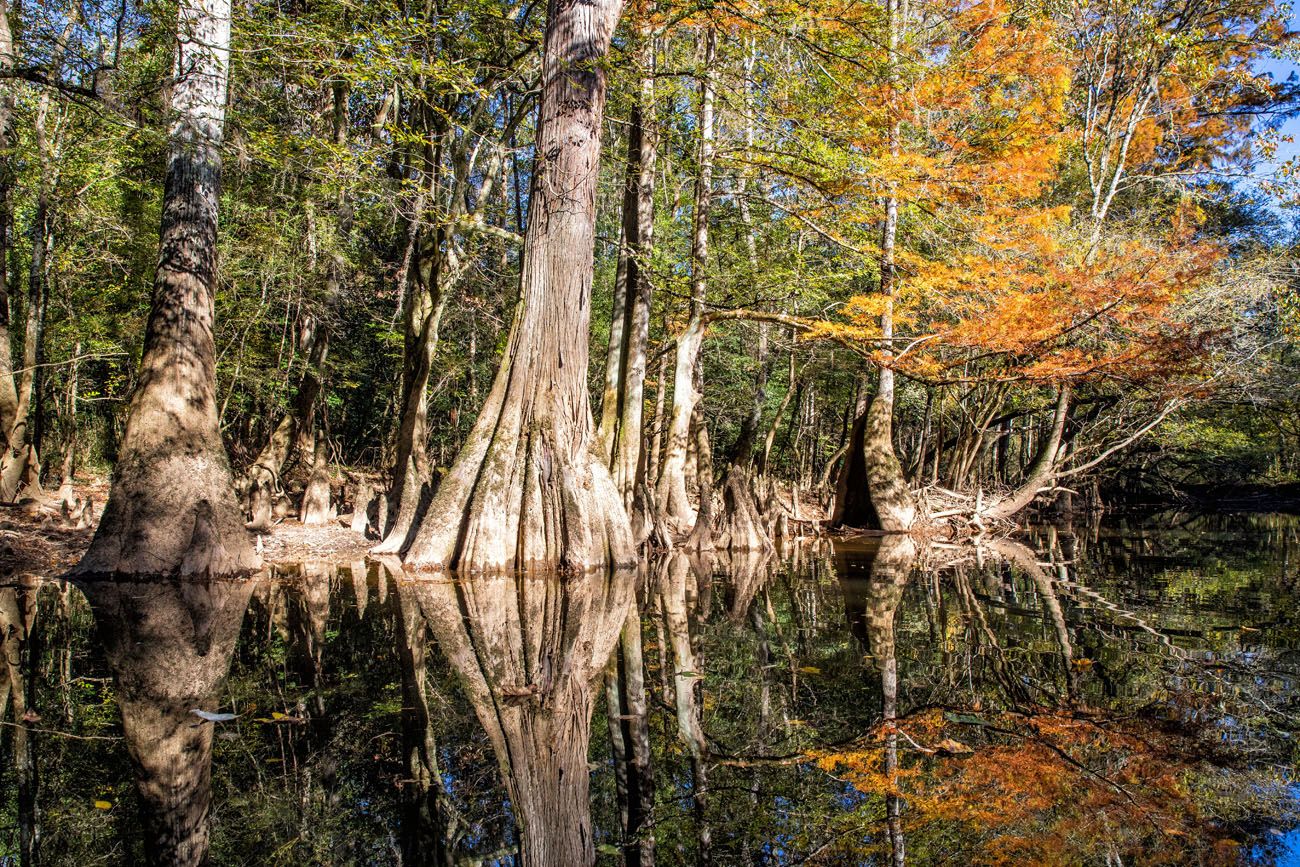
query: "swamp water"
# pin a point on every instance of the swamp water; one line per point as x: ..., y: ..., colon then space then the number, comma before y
x: 1125, y: 694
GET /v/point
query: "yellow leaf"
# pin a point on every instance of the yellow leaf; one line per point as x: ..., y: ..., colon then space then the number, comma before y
x: 103, y: 805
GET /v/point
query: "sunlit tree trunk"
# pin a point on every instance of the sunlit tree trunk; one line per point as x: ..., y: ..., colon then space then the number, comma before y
x: 8, y: 390
x: 890, y: 494
x: 620, y: 431
x: 172, y: 506
x: 295, y: 427
x: 741, y: 526
x: 527, y: 488
x: 1042, y: 470
x: 677, y: 516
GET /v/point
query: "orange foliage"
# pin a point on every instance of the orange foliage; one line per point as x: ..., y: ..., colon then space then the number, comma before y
x: 1043, y: 789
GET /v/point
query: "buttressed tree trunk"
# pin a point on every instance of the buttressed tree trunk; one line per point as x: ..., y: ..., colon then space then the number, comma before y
x: 527, y: 488
x: 293, y: 429
x: 527, y: 650
x: 169, y: 644
x: 172, y: 506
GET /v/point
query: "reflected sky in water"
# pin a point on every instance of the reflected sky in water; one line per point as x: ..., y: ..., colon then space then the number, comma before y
x: 1117, y: 694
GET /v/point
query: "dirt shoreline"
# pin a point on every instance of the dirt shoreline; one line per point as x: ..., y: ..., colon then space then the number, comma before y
x: 35, y: 541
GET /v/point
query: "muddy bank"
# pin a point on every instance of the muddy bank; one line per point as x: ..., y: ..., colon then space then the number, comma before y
x: 36, y: 539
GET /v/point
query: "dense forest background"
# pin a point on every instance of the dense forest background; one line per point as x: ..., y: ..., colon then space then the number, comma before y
x: 1087, y: 200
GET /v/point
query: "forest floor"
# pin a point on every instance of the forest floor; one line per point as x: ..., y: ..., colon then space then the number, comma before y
x: 35, y: 538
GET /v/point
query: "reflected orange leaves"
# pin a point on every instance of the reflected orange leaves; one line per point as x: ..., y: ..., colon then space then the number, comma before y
x: 1042, y: 787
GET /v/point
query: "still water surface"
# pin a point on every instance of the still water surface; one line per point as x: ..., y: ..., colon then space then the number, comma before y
x: 1122, y: 694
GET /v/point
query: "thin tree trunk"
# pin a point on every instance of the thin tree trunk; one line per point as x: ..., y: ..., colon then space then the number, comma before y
x: 676, y: 515
x: 890, y: 495
x: 621, y: 431
x: 527, y: 489
x: 172, y: 506
x: 8, y: 389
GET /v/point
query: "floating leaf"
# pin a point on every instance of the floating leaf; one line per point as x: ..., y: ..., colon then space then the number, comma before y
x: 103, y: 805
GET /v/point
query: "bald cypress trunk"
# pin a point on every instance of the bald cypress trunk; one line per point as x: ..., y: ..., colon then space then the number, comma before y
x: 1042, y: 470
x: 528, y: 488
x: 620, y: 430
x: 172, y: 506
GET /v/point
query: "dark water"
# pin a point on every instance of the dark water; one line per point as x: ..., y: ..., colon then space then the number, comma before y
x: 1118, y: 695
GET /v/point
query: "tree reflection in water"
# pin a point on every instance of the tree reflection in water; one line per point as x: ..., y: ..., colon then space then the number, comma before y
x: 1130, y: 697
x: 528, y: 650
x: 169, y: 644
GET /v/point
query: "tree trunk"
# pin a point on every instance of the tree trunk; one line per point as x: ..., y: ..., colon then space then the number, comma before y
x: 172, y: 506
x: 169, y: 645
x: 527, y: 489
x: 620, y: 430
x: 8, y: 390
x: 1041, y: 471
x: 294, y: 430
x: 20, y: 463
x: 676, y: 515
x: 66, y: 496
x: 316, y: 499
x: 890, y: 495
x: 412, y: 477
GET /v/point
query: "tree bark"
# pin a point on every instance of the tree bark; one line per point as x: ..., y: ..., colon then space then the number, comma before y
x: 316, y: 499
x: 8, y: 390
x: 528, y: 489
x: 172, y: 506
x: 1042, y: 470
x: 677, y: 517
x: 294, y: 430
x: 890, y: 494
x: 620, y: 432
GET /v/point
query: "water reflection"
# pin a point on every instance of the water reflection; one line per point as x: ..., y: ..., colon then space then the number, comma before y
x: 1126, y: 696
x: 169, y: 645
x: 527, y: 651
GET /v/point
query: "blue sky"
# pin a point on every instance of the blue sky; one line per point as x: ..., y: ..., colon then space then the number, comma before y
x: 1281, y: 69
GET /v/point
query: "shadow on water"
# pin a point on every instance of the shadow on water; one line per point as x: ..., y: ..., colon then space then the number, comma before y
x: 1122, y: 696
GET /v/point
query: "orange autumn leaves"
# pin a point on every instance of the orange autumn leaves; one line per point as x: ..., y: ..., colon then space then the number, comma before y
x: 1042, y: 788
x: 996, y: 280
